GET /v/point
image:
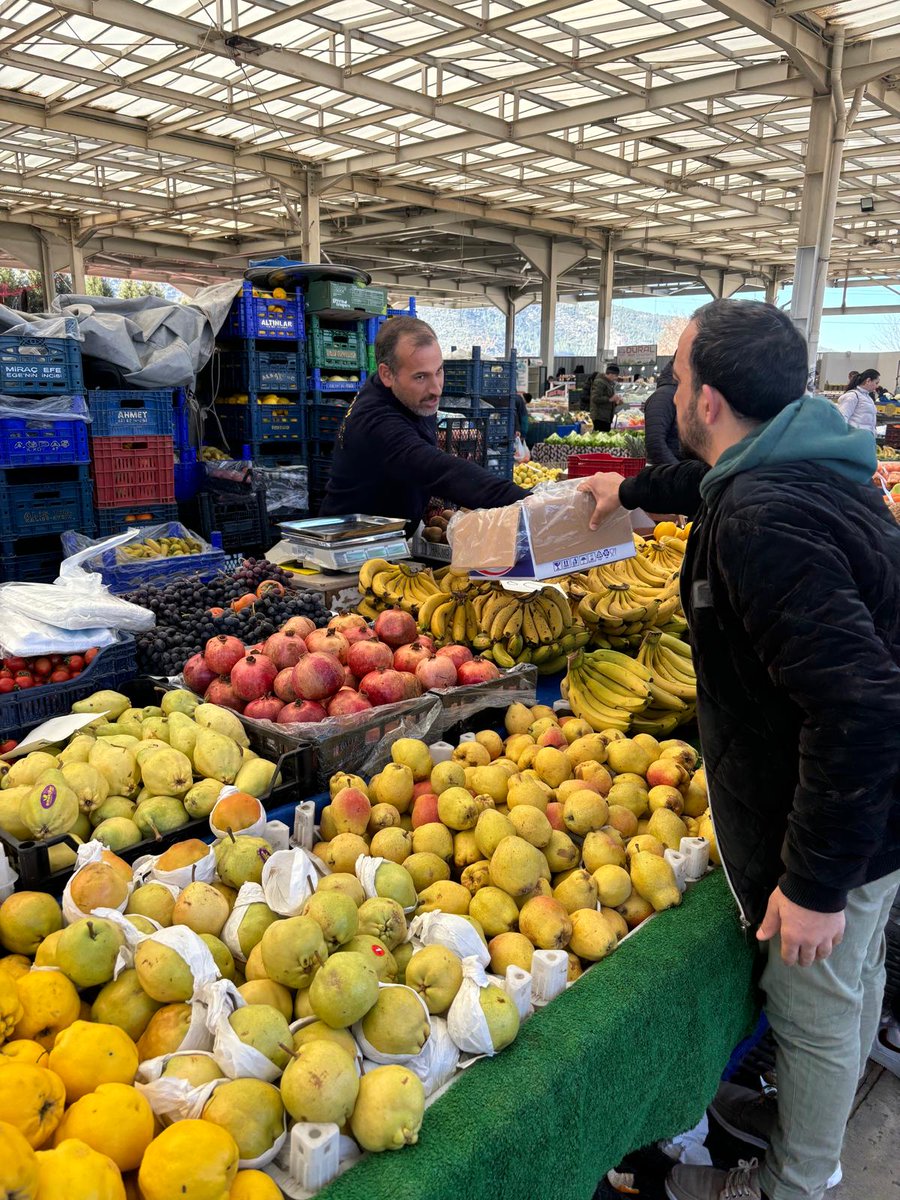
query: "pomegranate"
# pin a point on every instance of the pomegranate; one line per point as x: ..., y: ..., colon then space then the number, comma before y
x: 425, y: 639
x: 350, y: 680
x: 438, y: 672
x: 317, y: 676
x: 385, y: 686
x: 479, y: 670
x: 457, y: 654
x: 344, y: 622
x: 302, y: 626
x: 222, y: 693
x: 222, y: 652
x: 198, y: 675
x: 266, y: 708
x: 253, y: 676
x: 407, y: 658
x: 395, y: 627
x: 327, y: 641
x: 411, y: 685
x: 283, y: 688
x: 285, y: 648
x: 364, y: 657
x: 347, y: 701
x: 355, y: 635
x: 257, y: 649
x: 301, y: 713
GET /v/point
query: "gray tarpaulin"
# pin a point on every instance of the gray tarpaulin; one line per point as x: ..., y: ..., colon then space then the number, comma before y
x: 153, y: 342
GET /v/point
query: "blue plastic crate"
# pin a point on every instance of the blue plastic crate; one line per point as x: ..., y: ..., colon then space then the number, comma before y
x: 325, y: 421
x: 125, y: 576
x: 315, y: 383
x: 31, y: 506
x: 125, y: 413
x: 41, y: 441
x: 117, y: 520
x: 373, y: 324
x: 256, y: 422
x: 40, y: 364
x: 113, y: 666
x: 262, y: 371
x: 182, y: 426
x: 269, y: 456
x: 255, y: 317
x: 476, y: 376
x: 190, y: 478
x: 30, y: 560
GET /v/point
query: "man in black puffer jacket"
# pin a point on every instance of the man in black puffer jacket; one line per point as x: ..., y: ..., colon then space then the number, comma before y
x: 660, y: 428
x: 791, y: 588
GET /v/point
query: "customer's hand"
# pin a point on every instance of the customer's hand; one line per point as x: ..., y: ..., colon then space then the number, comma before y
x: 805, y: 935
x: 604, y: 487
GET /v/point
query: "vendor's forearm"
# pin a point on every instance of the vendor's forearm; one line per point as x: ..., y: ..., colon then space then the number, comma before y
x: 671, y: 489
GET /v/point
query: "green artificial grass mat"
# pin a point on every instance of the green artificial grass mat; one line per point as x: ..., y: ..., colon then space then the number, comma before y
x: 630, y: 1054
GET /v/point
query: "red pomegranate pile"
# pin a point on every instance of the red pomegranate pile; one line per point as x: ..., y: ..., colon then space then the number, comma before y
x: 302, y: 674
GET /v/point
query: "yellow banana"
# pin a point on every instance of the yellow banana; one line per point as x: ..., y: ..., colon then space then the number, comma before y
x: 459, y: 623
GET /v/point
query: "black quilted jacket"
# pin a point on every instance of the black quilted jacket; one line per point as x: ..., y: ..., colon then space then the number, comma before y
x: 791, y: 588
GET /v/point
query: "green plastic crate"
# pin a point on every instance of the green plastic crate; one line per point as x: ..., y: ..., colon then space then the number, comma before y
x: 329, y: 296
x: 338, y: 347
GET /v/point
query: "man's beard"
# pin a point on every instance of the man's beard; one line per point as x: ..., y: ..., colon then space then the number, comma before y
x: 693, y: 434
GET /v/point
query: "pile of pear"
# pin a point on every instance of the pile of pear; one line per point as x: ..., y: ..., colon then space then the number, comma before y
x: 552, y: 837
x: 131, y: 775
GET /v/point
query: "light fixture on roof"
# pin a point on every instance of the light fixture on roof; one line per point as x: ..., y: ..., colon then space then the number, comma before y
x: 867, y: 204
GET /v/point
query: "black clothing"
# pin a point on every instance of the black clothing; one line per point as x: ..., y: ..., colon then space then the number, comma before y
x: 660, y: 428
x: 791, y: 588
x: 603, y: 404
x: 386, y: 463
x: 521, y: 415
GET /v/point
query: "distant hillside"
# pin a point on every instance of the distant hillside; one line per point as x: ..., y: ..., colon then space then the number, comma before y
x: 576, y: 328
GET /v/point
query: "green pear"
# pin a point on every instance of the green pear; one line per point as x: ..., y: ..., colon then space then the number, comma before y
x: 156, y: 728
x: 159, y: 815
x: 124, y: 1002
x: 153, y: 900
x: 131, y: 721
x: 26, y: 771
x: 168, y: 772
x: 196, y: 1069
x: 217, y: 756
x: 87, y: 951
x: 125, y: 740
x: 146, y: 747
x: 240, y: 860
x: 223, y: 721
x: 183, y: 733
x: 257, y: 777
x: 118, y: 767
x: 118, y: 833
x: 112, y: 806
x: 106, y: 704
x: 152, y: 710
x: 265, y: 1029
x: 181, y: 701
x: 77, y: 750
x: 88, y: 785
x: 51, y: 806
x: 162, y: 972
x: 252, y: 923
x: 222, y: 956
x: 201, y: 799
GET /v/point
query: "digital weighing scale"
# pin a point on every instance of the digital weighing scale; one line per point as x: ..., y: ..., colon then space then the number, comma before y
x: 345, y: 543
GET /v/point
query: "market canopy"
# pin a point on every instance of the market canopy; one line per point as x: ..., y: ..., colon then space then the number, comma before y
x: 451, y: 147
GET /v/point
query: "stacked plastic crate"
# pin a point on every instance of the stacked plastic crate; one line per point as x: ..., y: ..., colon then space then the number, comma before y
x: 337, y: 349
x: 133, y: 458
x: 261, y: 388
x: 45, y: 487
x: 484, y: 390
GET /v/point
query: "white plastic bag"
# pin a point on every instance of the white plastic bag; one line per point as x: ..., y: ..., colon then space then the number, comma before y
x: 202, y: 871
x: 451, y: 931
x: 236, y: 1059
x: 89, y: 852
x: 289, y: 878
x: 366, y: 868
x: 171, y: 1098
x: 466, y: 1023
x: 195, y: 952
x: 521, y: 453
x: 250, y: 893
x: 369, y: 1050
x: 257, y: 829
x: 439, y: 1058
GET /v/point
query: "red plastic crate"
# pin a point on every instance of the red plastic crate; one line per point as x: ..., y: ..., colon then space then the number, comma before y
x: 589, y: 464
x: 133, y: 470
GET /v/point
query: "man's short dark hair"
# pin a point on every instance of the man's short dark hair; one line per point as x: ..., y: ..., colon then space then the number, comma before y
x: 869, y: 373
x: 390, y: 333
x: 612, y: 368
x: 750, y: 352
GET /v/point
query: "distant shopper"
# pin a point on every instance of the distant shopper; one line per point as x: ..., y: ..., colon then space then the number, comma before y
x: 603, y: 398
x: 660, y: 422
x: 858, y: 404
x: 521, y: 415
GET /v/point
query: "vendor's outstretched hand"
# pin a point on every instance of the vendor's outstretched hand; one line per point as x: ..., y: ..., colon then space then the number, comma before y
x: 805, y: 935
x: 604, y: 487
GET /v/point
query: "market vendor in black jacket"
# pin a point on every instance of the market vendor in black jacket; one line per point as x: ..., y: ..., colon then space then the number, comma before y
x: 791, y: 588
x: 386, y: 460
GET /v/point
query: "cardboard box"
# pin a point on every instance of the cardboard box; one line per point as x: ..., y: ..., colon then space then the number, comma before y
x: 541, y: 537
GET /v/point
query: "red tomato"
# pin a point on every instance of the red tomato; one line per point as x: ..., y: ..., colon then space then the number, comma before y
x: 24, y: 680
x: 5, y: 673
x: 6, y: 684
x: 42, y: 666
x: 56, y: 659
x: 60, y: 675
x: 16, y: 664
x: 9, y: 744
x: 91, y: 654
x: 74, y: 662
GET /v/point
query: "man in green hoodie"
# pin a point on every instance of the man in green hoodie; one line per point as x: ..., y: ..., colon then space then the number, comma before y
x: 791, y: 589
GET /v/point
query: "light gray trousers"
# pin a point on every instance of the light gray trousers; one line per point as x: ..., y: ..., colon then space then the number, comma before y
x: 825, y: 1018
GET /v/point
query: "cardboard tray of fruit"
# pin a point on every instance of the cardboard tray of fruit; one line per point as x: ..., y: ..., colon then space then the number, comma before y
x: 518, y: 685
x: 37, y: 860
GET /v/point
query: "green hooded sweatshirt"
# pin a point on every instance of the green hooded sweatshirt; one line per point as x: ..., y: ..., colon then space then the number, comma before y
x: 810, y: 429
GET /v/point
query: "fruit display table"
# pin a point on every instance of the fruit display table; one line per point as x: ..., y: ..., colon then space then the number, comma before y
x: 630, y: 1054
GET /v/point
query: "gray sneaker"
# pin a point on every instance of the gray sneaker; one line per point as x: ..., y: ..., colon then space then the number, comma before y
x: 708, y: 1183
x: 747, y: 1115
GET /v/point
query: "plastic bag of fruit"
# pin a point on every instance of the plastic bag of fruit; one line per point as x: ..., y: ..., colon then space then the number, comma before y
x: 289, y: 878
x: 167, y: 539
x: 235, y: 1057
x: 165, y: 1082
x: 452, y: 931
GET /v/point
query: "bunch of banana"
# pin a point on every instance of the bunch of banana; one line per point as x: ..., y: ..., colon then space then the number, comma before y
x: 161, y: 547
x: 607, y: 689
x: 394, y: 585
x: 450, y: 618
x: 534, y: 628
x: 673, y: 685
x: 668, y: 552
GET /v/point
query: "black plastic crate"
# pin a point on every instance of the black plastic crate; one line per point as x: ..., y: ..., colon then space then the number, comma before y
x: 256, y: 423
x: 325, y: 421
x: 241, y: 520
x: 464, y: 437
x: 250, y: 369
x: 117, y: 520
x: 30, y: 560
x: 41, y: 500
